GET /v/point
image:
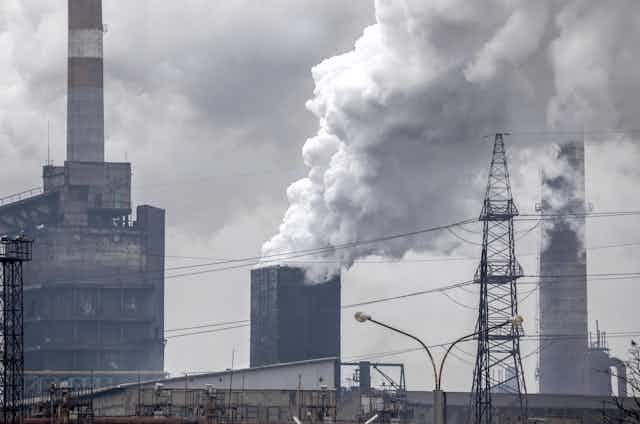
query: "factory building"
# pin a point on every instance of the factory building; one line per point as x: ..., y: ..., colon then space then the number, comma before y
x: 292, y: 318
x: 569, y: 362
x: 267, y: 394
x: 94, y: 293
x: 306, y: 390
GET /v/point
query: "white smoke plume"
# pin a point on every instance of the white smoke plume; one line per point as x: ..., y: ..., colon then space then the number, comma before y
x: 401, y: 116
x: 563, y: 193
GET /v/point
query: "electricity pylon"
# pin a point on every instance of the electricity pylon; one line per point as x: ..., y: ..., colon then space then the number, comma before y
x: 498, y: 365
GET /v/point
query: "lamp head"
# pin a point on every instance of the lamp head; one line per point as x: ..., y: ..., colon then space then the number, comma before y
x: 362, y: 317
x: 517, y: 321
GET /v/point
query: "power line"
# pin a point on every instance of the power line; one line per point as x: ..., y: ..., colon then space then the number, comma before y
x: 471, y: 282
x: 278, y: 257
x: 397, y: 352
x: 532, y: 217
x: 348, y: 306
x: 216, y: 330
x: 586, y: 275
x: 462, y: 239
x: 441, y: 259
x: 441, y: 289
x: 457, y: 302
x: 573, y: 132
x: 466, y: 230
x: 459, y: 258
x: 407, y: 295
x: 197, y: 327
x: 521, y: 235
x: 282, y: 256
x: 239, y: 266
x: 341, y: 246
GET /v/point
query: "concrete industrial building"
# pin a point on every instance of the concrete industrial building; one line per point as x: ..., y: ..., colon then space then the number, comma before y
x: 569, y: 364
x: 94, y: 293
x: 271, y: 393
x: 306, y: 390
x: 293, y: 319
x: 256, y: 406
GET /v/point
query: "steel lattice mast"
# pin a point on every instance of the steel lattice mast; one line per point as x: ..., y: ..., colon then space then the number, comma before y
x: 498, y: 362
x: 13, y: 252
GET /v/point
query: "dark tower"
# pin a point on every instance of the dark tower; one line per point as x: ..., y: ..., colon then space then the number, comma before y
x: 293, y: 319
x: 498, y: 344
x: 94, y: 292
x: 563, y: 301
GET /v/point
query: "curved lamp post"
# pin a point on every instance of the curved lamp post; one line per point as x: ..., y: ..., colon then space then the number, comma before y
x: 438, y: 396
x: 362, y: 317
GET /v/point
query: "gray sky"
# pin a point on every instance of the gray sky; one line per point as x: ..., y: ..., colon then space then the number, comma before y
x: 207, y: 100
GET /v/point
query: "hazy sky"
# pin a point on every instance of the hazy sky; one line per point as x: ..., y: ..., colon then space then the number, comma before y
x: 207, y: 100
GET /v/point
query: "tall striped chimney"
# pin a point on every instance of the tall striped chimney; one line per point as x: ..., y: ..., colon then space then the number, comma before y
x: 85, y: 97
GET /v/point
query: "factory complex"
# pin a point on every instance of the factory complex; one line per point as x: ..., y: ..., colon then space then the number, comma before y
x: 84, y: 309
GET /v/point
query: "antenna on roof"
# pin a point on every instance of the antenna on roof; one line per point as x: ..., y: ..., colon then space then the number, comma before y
x: 49, y: 142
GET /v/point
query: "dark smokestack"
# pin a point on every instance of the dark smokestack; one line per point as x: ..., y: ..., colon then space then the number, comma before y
x: 85, y: 101
x: 292, y: 318
x: 563, y: 300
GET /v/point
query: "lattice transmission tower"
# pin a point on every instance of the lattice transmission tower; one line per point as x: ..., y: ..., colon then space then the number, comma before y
x: 498, y: 365
x: 13, y: 252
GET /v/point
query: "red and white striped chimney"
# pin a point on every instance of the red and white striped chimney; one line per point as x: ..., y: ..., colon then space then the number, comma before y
x: 85, y: 96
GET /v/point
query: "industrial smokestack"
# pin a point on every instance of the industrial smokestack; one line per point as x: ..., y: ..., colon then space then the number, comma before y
x: 85, y: 101
x: 563, y: 267
x: 293, y: 318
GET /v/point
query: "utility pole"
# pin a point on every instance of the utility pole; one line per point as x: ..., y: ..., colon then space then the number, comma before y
x: 498, y: 346
x: 186, y: 387
x: 230, y: 416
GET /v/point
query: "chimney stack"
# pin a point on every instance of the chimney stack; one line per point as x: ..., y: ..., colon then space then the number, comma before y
x: 563, y: 300
x: 85, y: 96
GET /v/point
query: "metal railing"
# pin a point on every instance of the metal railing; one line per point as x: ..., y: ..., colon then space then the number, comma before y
x: 21, y: 196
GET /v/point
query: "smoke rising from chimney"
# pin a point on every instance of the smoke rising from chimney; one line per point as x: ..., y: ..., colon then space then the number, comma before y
x: 401, y: 116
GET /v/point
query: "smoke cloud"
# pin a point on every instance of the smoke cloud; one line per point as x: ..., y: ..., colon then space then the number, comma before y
x: 401, y: 116
x: 563, y: 193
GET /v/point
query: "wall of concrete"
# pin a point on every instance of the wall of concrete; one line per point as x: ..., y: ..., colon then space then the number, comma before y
x: 92, y: 193
x: 94, y: 292
x: 94, y: 302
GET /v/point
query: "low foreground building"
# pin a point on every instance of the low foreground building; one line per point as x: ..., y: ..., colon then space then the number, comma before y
x: 308, y: 390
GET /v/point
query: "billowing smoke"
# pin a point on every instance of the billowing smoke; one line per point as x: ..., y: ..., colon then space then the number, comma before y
x: 401, y: 116
x: 564, y: 199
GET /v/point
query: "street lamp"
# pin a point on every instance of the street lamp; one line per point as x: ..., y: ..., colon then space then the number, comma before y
x: 362, y: 317
x: 438, y: 395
